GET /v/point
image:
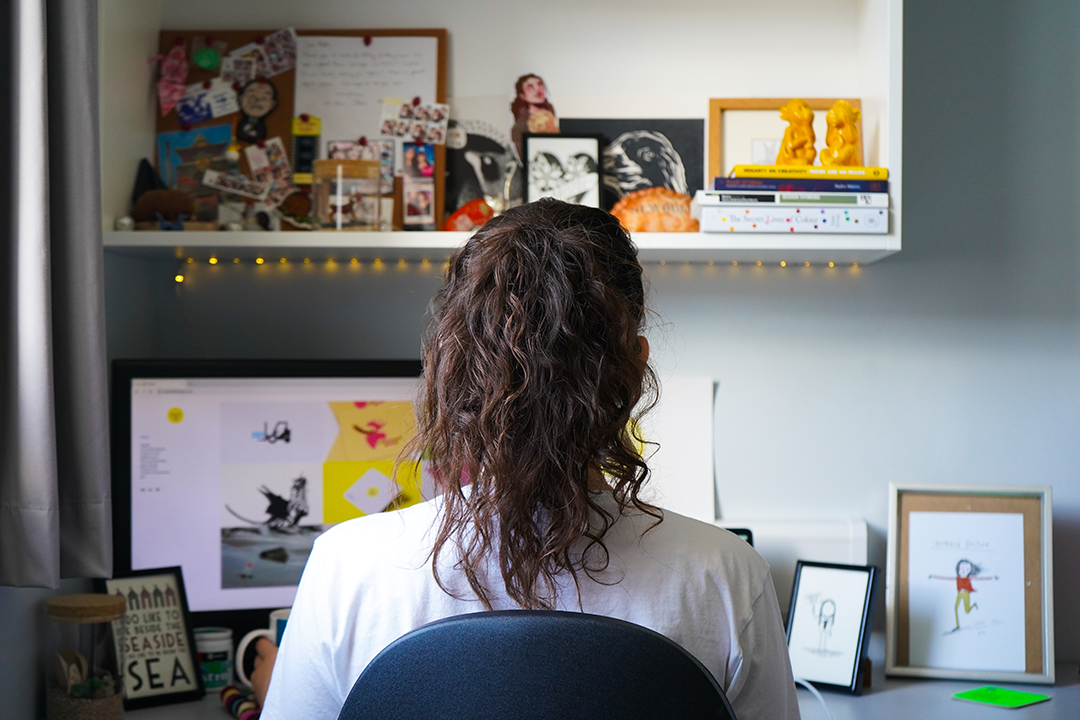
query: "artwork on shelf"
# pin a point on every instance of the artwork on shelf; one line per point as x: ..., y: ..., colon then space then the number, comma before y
x: 970, y: 583
x: 751, y: 131
x: 155, y: 638
x: 642, y: 154
x: 481, y: 165
x: 184, y: 157
x: 829, y: 623
x: 565, y: 167
x: 532, y: 110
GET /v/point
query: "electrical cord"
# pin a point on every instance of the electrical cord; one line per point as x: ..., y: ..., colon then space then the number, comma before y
x: 814, y: 691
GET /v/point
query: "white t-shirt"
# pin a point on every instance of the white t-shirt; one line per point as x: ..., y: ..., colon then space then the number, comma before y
x: 369, y: 581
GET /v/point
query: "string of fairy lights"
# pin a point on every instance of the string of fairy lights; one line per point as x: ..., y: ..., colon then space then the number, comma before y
x: 378, y: 264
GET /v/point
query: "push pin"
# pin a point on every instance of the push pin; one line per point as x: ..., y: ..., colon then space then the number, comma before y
x: 260, y: 41
x: 367, y: 40
x: 362, y: 142
x: 304, y: 117
x: 207, y: 84
x: 236, y: 87
x: 261, y: 143
x: 263, y: 80
x: 416, y: 101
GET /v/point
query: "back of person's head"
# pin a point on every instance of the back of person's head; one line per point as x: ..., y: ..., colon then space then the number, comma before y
x: 532, y: 372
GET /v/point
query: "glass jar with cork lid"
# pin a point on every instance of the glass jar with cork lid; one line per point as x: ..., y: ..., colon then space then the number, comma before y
x: 83, y: 676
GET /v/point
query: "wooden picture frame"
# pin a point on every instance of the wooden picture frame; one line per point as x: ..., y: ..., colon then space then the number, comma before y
x: 829, y: 622
x: 970, y: 583
x: 155, y: 638
x: 565, y: 167
x: 719, y: 106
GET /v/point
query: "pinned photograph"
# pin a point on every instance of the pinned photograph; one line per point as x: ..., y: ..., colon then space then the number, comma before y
x: 235, y: 183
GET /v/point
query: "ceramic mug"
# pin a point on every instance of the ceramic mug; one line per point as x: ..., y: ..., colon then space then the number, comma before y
x: 245, y: 651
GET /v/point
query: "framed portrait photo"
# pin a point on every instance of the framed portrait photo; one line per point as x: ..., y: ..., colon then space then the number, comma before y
x: 969, y: 583
x: 829, y: 623
x: 564, y: 167
x: 155, y: 638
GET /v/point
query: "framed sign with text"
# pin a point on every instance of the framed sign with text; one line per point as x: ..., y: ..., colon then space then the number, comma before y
x: 154, y: 638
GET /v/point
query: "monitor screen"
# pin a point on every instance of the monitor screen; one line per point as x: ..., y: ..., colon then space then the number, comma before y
x: 231, y: 469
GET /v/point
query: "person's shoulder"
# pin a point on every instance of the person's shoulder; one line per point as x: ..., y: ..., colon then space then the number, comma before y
x: 380, y: 529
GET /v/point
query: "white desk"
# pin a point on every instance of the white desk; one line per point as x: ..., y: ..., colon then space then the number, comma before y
x: 886, y: 700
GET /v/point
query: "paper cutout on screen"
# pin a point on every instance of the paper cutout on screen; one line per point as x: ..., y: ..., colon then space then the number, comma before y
x: 966, y: 590
x: 370, y: 431
x: 372, y: 492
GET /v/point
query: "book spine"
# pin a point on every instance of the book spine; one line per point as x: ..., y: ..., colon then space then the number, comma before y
x: 752, y: 197
x: 824, y: 172
x: 796, y: 219
x: 798, y: 185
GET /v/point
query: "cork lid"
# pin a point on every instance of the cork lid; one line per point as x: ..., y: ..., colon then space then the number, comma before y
x: 86, y: 608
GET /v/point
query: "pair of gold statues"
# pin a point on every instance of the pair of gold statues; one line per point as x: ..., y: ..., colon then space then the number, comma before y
x: 841, y: 138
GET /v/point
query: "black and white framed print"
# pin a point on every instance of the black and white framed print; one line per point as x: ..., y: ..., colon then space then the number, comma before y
x: 565, y: 167
x: 829, y: 623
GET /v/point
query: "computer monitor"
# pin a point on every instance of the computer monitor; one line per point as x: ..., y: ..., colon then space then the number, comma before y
x: 231, y: 469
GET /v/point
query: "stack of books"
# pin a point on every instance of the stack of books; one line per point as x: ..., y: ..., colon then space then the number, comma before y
x: 796, y: 199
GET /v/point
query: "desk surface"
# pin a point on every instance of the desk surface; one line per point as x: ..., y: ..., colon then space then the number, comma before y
x: 892, y: 699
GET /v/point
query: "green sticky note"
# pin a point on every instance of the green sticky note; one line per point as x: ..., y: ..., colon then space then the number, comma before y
x: 1000, y: 697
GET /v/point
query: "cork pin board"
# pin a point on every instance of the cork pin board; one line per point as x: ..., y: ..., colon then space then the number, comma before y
x: 969, y: 592
x: 368, y: 61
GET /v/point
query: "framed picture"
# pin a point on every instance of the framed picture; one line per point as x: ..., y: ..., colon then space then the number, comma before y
x: 969, y: 589
x: 748, y: 131
x: 565, y: 167
x: 829, y: 623
x: 155, y: 638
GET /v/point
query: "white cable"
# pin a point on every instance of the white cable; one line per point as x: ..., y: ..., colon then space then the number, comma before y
x: 813, y: 691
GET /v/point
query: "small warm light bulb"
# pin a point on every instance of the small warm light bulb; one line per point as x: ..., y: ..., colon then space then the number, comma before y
x: 663, y: 262
x: 307, y: 261
x: 807, y: 263
x: 190, y: 261
x: 329, y: 261
x: 401, y: 262
x: 759, y: 263
x: 710, y: 263
x: 854, y: 265
x: 283, y: 260
x: 832, y: 264
x: 259, y: 261
x: 354, y: 261
x: 783, y: 264
x: 425, y: 262
x: 236, y: 261
x: 179, y: 278
x: 213, y: 261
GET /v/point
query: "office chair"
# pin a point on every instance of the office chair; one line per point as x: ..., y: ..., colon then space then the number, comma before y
x: 525, y: 664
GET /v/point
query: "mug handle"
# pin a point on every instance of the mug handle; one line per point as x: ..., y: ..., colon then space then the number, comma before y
x: 246, y: 654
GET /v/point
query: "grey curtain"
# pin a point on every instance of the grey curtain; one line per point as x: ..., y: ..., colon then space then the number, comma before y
x: 55, y: 507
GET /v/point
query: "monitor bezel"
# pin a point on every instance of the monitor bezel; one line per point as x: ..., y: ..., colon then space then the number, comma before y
x: 126, y: 370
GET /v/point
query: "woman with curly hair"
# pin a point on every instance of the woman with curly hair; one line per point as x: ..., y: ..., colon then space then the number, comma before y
x: 534, y: 367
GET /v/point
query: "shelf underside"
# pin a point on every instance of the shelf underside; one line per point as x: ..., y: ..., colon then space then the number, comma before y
x: 436, y: 246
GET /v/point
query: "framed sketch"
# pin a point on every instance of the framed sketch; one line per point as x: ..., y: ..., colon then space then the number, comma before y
x: 565, y: 167
x: 748, y: 131
x: 155, y: 638
x: 969, y: 589
x: 829, y: 623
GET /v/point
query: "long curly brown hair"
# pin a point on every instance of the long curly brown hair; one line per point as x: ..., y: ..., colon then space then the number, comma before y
x: 532, y: 373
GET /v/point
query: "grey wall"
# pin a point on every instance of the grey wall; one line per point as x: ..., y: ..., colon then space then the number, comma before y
x: 957, y: 360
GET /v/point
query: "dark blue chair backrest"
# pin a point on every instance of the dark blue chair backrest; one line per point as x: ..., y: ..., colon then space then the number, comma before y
x: 523, y: 664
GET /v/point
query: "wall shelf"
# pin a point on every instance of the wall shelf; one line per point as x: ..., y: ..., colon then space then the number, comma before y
x: 436, y: 246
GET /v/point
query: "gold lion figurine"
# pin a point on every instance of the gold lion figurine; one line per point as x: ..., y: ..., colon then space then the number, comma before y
x: 797, y: 147
x: 842, y: 137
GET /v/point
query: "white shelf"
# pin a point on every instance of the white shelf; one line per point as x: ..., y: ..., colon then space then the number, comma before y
x: 389, y: 246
